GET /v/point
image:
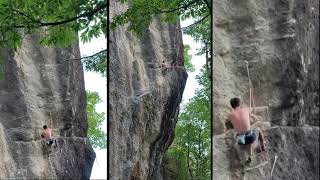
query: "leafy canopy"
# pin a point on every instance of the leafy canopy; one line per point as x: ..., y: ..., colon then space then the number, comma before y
x: 58, y: 21
x: 97, y: 136
x: 190, y: 150
x: 141, y: 12
x: 96, y: 62
x: 187, y: 59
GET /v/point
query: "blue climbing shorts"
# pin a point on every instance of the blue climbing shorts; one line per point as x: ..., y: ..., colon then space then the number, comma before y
x: 248, y: 138
x: 49, y: 141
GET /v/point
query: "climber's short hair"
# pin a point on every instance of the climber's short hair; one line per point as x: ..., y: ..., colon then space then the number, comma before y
x: 235, y: 102
x: 45, y: 127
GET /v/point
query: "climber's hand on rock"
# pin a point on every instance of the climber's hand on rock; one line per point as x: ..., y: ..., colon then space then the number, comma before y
x: 248, y: 161
x: 253, y: 118
x: 228, y: 125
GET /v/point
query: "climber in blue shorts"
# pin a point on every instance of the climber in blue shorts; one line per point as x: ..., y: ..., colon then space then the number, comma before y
x: 247, y: 138
x: 47, y: 135
x: 239, y: 118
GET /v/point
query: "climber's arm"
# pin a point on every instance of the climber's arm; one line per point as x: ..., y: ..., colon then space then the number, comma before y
x: 253, y: 118
x: 228, y: 124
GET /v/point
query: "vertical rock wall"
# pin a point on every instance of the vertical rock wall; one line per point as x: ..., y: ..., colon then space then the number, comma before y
x: 143, y: 98
x: 42, y: 87
x: 280, y: 41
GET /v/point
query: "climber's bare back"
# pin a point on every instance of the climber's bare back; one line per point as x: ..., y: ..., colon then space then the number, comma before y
x: 46, y: 133
x: 240, y: 119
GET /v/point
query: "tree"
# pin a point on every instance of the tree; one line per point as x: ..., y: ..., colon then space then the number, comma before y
x: 97, y: 136
x: 142, y: 12
x: 187, y: 59
x: 96, y: 62
x: 57, y: 22
x: 191, y: 146
x: 60, y: 19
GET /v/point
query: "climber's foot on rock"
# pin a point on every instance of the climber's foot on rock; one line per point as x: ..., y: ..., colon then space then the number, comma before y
x: 248, y: 161
x: 261, y: 149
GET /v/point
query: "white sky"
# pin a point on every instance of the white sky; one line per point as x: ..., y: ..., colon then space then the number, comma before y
x: 197, y: 61
x: 95, y: 82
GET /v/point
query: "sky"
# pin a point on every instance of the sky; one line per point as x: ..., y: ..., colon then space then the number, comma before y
x: 95, y: 82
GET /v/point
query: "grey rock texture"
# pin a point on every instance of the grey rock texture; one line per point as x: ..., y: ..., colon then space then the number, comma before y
x: 297, y: 149
x: 280, y: 40
x: 41, y: 87
x: 143, y: 98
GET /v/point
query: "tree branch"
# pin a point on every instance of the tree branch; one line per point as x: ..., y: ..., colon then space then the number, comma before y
x: 176, y: 9
x: 27, y: 16
x: 86, y: 57
x: 86, y: 14
x: 205, y: 17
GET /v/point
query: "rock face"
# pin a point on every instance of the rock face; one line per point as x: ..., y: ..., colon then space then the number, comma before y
x: 280, y: 41
x: 144, y: 98
x: 42, y: 87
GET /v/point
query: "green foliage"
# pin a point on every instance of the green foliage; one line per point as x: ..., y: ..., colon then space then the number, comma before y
x: 176, y: 159
x: 205, y: 83
x: 97, y: 136
x: 96, y: 62
x: 201, y: 32
x: 192, y: 135
x: 187, y: 59
x: 58, y: 21
x: 142, y: 12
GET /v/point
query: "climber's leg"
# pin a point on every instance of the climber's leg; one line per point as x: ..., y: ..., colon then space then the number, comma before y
x: 250, y: 139
x: 261, y: 139
x: 249, y: 151
x: 55, y: 143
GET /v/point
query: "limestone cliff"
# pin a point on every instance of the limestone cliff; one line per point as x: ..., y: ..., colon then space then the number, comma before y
x: 42, y: 87
x: 280, y: 41
x: 144, y: 97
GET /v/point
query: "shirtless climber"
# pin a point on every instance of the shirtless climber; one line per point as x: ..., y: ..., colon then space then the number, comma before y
x: 164, y: 66
x: 239, y: 118
x: 46, y: 134
x: 173, y: 64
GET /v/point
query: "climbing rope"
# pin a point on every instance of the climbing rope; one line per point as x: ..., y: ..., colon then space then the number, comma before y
x: 251, y: 102
x: 274, y: 163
